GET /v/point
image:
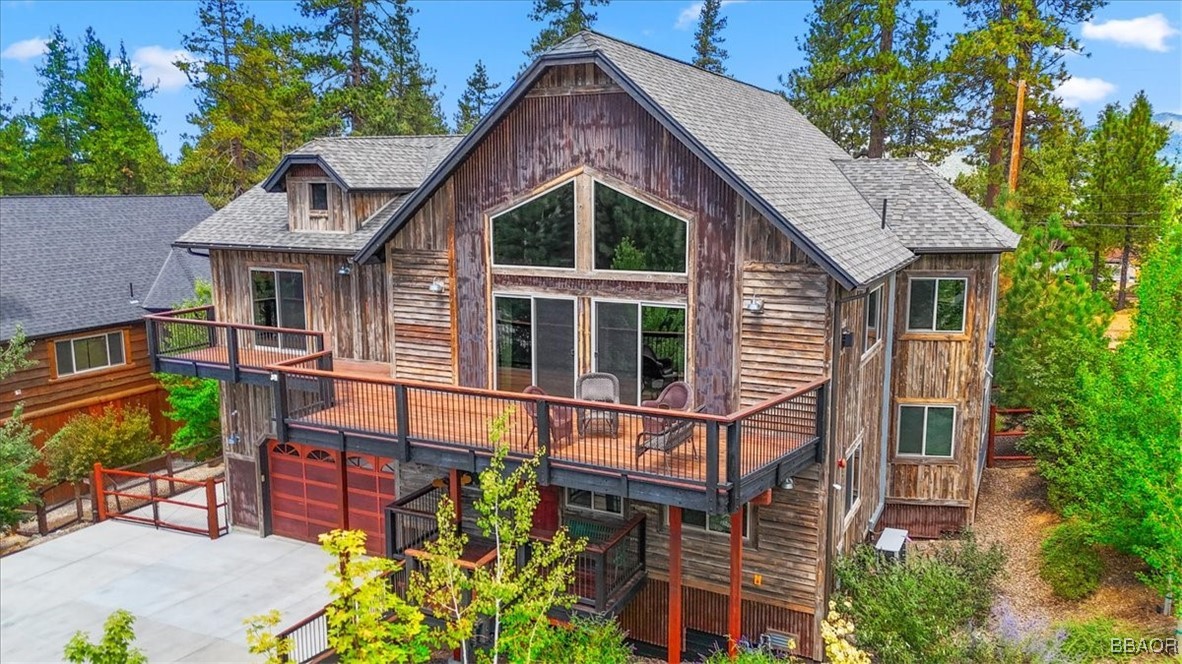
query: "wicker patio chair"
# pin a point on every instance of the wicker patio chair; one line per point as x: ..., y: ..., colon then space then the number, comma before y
x: 603, y: 387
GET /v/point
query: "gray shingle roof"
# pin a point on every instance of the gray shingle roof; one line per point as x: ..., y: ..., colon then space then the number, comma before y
x: 763, y: 146
x: 372, y: 162
x: 258, y: 220
x: 174, y: 283
x: 924, y: 210
x: 66, y: 262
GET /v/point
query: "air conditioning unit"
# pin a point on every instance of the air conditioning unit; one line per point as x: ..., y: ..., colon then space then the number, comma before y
x: 892, y: 543
x: 779, y: 643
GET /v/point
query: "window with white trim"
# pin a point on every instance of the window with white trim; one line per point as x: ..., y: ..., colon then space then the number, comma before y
x: 713, y: 523
x: 873, y: 324
x: 590, y: 501
x: 936, y: 304
x: 278, y: 301
x: 82, y: 354
x: 853, y: 478
x: 926, y: 430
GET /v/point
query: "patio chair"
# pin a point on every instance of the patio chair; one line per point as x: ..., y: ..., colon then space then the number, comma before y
x: 675, y: 396
x: 561, y: 418
x: 662, y: 434
x: 603, y: 387
x: 655, y: 372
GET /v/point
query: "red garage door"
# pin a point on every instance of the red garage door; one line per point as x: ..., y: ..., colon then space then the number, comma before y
x: 305, y: 487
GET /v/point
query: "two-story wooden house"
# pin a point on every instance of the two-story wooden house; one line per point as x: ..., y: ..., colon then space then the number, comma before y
x: 826, y: 320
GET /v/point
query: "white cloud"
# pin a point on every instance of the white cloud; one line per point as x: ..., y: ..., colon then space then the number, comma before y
x: 156, y: 65
x: 25, y: 50
x: 1076, y: 90
x: 1148, y: 32
x: 689, y: 16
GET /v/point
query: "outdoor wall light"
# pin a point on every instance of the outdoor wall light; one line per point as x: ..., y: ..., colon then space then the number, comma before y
x: 436, y: 286
x: 788, y: 484
x: 847, y: 338
x: 345, y: 270
x: 753, y: 305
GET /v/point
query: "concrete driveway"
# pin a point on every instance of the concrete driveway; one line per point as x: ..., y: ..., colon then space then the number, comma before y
x: 189, y: 593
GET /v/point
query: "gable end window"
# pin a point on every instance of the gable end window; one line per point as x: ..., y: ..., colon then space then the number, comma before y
x: 82, y: 354
x: 926, y: 430
x: 318, y: 196
x: 537, y: 233
x: 936, y: 304
x: 634, y: 236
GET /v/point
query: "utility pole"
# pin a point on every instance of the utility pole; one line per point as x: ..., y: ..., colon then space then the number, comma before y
x: 1016, y: 146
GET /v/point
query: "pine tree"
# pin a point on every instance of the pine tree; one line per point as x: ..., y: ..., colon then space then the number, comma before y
x: 860, y: 90
x: 117, y: 140
x: 1096, y: 234
x: 55, y: 145
x: 477, y: 99
x: 16, y: 169
x: 708, y: 39
x: 365, y: 54
x: 1053, y: 171
x: 563, y: 19
x: 1006, y: 41
x: 253, y: 102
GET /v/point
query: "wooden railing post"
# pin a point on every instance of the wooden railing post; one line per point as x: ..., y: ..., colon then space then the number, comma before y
x: 821, y: 409
x: 153, y: 344
x: 734, y: 461
x: 601, y: 581
x: 712, y: 460
x: 232, y: 353
x: 402, y: 417
x: 100, y: 498
x: 279, y: 398
x: 211, y: 508
x: 990, y: 442
x: 544, y: 441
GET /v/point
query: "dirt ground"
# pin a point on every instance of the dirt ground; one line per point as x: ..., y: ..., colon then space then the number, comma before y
x: 1012, y: 510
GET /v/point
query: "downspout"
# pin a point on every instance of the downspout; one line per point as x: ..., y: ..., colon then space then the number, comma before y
x: 888, y: 348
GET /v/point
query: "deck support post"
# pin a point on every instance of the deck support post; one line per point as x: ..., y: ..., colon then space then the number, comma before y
x: 674, y: 636
x: 453, y: 492
x: 343, y: 499
x: 232, y: 354
x: 735, y: 609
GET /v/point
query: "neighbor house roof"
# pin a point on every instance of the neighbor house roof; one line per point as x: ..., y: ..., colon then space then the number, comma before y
x: 369, y: 162
x: 753, y: 138
x: 924, y: 210
x: 80, y: 262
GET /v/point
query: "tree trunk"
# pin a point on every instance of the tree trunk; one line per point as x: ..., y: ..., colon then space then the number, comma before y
x: 1124, y: 265
x: 997, y: 138
x: 878, y: 116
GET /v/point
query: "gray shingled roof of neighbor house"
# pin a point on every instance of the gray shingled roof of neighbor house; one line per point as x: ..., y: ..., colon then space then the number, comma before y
x: 371, y: 162
x: 924, y: 210
x: 80, y: 262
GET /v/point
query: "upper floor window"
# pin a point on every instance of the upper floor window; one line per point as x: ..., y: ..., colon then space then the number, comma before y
x: 318, y: 196
x: 591, y: 501
x: 278, y: 301
x: 937, y: 304
x: 635, y: 236
x: 926, y: 430
x: 539, y: 232
x: 82, y: 354
x: 853, y: 478
x: 874, y: 317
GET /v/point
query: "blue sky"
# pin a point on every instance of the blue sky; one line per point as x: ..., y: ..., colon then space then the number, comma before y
x: 1133, y: 45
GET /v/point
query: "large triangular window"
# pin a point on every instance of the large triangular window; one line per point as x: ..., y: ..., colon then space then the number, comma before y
x: 539, y: 232
x: 633, y: 236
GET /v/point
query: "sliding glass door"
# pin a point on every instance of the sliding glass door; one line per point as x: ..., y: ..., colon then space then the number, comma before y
x: 643, y: 345
x: 535, y: 343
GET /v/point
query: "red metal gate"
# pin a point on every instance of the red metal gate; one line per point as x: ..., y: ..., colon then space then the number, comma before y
x: 1003, y: 445
x: 138, y: 497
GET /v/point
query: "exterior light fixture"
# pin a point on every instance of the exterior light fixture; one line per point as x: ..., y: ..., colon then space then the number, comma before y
x: 788, y: 484
x: 753, y: 305
x: 437, y: 285
x: 345, y: 270
x: 847, y: 338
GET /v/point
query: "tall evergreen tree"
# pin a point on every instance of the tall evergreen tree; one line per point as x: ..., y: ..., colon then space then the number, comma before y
x: 708, y: 39
x: 365, y: 54
x: 253, y: 102
x: 860, y: 90
x: 477, y: 99
x: 1006, y: 41
x: 563, y: 19
x: 55, y: 147
x: 16, y: 169
x: 117, y: 140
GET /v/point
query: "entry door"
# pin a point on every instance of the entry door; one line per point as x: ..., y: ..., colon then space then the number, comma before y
x: 535, y: 343
x: 279, y: 302
x: 643, y: 345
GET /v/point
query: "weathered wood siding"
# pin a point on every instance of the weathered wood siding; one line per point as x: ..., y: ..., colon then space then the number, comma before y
x: 943, y: 368
x: 50, y: 401
x: 347, y: 211
x: 350, y: 309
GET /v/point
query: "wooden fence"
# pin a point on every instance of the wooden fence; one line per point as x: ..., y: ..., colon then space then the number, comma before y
x: 1003, y: 445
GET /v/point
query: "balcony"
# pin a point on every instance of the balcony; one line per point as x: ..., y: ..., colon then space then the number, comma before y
x: 695, y: 460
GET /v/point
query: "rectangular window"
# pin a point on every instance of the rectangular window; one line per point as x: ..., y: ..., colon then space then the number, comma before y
x: 83, y: 354
x: 853, y: 478
x: 278, y: 297
x: 936, y: 304
x: 318, y: 195
x: 873, y: 320
x: 713, y: 523
x: 926, y: 430
x: 591, y: 501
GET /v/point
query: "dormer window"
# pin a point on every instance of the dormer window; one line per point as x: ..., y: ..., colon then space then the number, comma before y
x: 318, y: 195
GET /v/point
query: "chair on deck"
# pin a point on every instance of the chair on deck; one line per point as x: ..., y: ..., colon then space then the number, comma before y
x: 562, y: 418
x: 604, y: 387
x: 666, y: 434
x: 675, y: 396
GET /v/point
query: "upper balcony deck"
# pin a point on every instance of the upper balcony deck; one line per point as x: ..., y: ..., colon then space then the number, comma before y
x: 695, y: 460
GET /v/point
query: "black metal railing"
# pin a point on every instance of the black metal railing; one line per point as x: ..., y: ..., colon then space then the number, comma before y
x: 612, y: 564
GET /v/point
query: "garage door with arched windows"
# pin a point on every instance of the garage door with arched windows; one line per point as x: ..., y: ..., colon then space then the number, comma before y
x: 310, y: 494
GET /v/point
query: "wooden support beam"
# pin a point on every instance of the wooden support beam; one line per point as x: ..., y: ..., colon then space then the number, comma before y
x: 734, y: 613
x: 453, y: 492
x: 674, y: 636
x: 1016, y: 143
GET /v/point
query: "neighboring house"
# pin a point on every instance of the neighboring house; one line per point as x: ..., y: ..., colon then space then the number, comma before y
x: 623, y: 213
x: 77, y: 274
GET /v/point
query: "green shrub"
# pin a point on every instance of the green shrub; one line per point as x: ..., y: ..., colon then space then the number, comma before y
x: 922, y: 609
x: 1090, y: 640
x: 589, y: 641
x: 1070, y: 562
x: 115, y: 647
x: 195, y: 404
x: 118, y: 437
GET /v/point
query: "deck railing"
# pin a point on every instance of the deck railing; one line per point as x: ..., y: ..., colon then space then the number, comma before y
x: 193, y: 337
x: 611, y: 565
